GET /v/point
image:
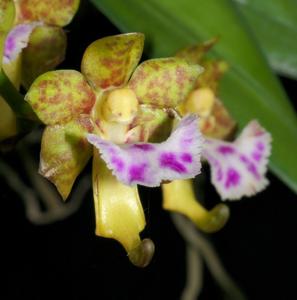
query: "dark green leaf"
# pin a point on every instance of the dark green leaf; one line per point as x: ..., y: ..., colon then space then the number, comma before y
x: 274, y: 24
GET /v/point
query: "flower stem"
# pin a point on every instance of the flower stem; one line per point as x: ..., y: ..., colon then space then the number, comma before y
x: 210, y: 257
x: 32, y: 196
x: 15, y: 100
x: 194, y: 279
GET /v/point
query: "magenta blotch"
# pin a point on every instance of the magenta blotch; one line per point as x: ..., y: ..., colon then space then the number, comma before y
x: 252, y: 169
x: 257, y: 156
x: 250, y: 166
x: 144, y: 147
x: 225, y: 150
x: 9, y: 45
x: 168, y: 160
x: 219, y: 174
x: 186, y: 157
x: 243, y: 158
x: 232, y: 179
x: 136, y: 172
x: 118, y: 163
x: 260, y: 146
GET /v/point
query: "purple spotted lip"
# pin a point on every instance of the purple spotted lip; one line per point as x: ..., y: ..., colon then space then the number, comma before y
x: 151, y: 164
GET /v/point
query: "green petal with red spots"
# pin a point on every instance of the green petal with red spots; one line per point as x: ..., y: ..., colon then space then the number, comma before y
x: 7, y: 15
x: 64, y: 153
x: 164, y: 82
x: 195, y: 54
x: 52, y: 12
x: 58, y: 97
x: 110, y: 61
x: 150, y: 125
x: 45, y: 50
x: 213, y: 71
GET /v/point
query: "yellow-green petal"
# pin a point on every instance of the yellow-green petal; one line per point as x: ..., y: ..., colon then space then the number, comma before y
x: 219, y: 124
x: 179, y: 196
x: 58, y: 97
x: 7, y: 15
x: 195, y: 54
x: 45, y: 50
x: 164, y: 82
x: 64, y: 153
x: 52, y: 12
x: 110, y: 61
x: 213, y: 71
x: 119, y: 213
x: 8, y: 124
x: 13, y: 71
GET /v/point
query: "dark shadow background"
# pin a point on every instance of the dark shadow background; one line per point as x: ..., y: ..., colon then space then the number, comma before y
x: 66, y: 260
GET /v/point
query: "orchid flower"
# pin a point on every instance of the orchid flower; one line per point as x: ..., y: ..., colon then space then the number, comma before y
x: 124, y: 111
x: 237, y: 168
x: 32, y: 42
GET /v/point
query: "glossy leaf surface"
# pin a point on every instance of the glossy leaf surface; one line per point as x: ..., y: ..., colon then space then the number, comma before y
x: 274, y: 24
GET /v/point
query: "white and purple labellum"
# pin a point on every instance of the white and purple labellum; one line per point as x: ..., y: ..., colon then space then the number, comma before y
x: 149, y: 164
x: 238, y: 169
x: 17, y: 39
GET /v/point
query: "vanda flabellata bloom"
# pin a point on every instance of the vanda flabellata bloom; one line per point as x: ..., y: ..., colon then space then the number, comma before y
x: 237, y: 168
x: 127, y: 112
x: 32, y: 42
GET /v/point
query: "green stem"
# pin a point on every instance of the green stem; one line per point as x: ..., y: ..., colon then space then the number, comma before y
x: 15, y: 100
x: 197, y: 241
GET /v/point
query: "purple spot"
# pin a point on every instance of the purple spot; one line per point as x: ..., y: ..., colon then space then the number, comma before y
x: 250, y: 166
x: 111, y: 150
x: 144, y: 147
x: 136, y: 172
x: 187, y: 141
x: 232, y: 179
x: 257, y: 156
x: 260, y: 146
x: 186, y: 157
x: 219, y: 174
x: 9, y: 45
x: 118, y: 163
x: 17, y: 39
x: 225, y: 150
x: 252, y: 169
x: 244, y: 159
x: 168, y: 160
